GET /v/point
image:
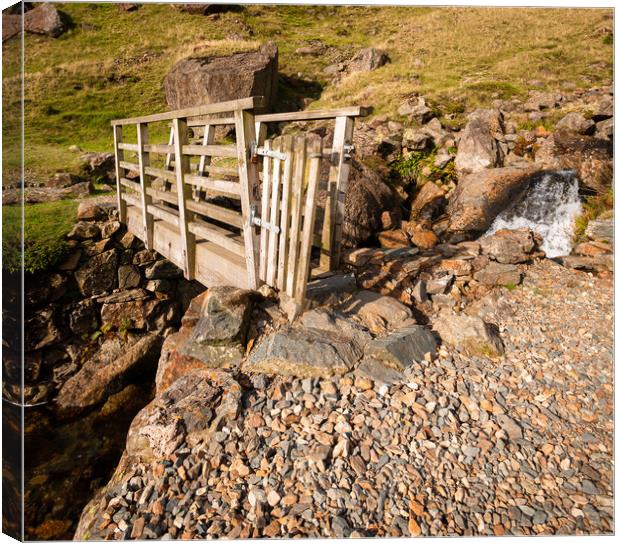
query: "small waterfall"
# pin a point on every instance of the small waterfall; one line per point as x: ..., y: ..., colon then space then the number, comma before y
x: 549, y: 207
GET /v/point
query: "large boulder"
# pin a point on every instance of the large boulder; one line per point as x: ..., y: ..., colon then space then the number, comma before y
x: 378, y: 313
x: 98, y: 274
x: 403, y: 348
x: 479, y: 197
x: 304, y: 352
x: 478, y: 148
x: 106, y: 372
x: 11, y: 25
x: 590, y: 157
x: 511, y: 246
x: 367, y: 197
x: 576, y: 122
x: 44, y: 19
x: 206, y: 80
x: 367, y: 60
x: 469, y: 334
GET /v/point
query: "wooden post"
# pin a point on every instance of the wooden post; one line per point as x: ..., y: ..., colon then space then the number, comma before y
x: 144, y: 161
x: 296, y: 193
x: 119, y: 155
x: 315, y: 155
x: 261, y: 132
x: 248, y: 179
x: 264, y: 212
x: 181, y: 168
x: 274, y: 214
x: 284, y: 223
x: 334, y: 204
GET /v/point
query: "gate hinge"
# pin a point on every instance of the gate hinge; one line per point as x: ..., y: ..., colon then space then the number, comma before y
x: 257, y: 221
x: 348, y: 149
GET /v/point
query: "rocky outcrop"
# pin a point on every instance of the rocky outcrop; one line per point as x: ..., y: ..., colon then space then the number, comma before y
x: 481, y: 196
x: 478, y: 147
x: 37, y: 195
x: 367, y: 60
x: 576, y: 122
x: 378, y: 313
x: 206, y: 80
x: 511, y: 246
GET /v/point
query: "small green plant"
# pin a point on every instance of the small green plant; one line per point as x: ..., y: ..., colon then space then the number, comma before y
x: 510, y: 286
x: 409, y: 168
x: 124, y: 327
x: 608, y: 39
x: 593, y: 206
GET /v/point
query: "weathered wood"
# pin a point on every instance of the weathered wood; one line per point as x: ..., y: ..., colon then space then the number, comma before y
x: 248, y: 177
x: 303, y: 269
x: 334, y: 206
x: 313, y: 115
x: 218, y: 213
x: 217, y: 121
x: 168, y: 215
x: 131, y: 166
x: 144, y: 161
x: 266, y: 189
x: 158, y: 148
x: 296, y: 193
x: 118, y: 158
x: 128, y: 147
x: 158, y: 172
x: 211, y: 232
x: 209, y: 109
x: 164, y: 196
x: 168, y: 160
x: 181, y: 168
x: 216, y: 185
x: 274, y: 215
x: 208, y: 138
x: 287, y: 147
x: 226, y: 151
x: 131, y: 200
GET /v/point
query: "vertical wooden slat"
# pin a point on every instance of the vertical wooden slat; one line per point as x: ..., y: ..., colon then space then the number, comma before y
x: 296, y: 191
x: 334, y: 205
x: 181, y: 168
x: 261, y: 132
x: 207, y: 139
x: 143, y: 161
x: 284, y: 222
x: 274, y: 215
x: 119, y: 155
x: 248, y: 179
x: 168, y: 161
x: 303, y: 268
x: 264, y: 213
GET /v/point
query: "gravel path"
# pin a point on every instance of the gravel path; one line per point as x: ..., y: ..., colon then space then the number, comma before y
x: 520, y: 445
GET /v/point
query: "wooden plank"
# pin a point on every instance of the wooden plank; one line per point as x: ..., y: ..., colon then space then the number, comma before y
x: 130, y: 184
x: 181, y: 168
x: 171, y: 143
x: 208, y: 138
x: 338, y: 171
x: 118, y: 158
x: 165, y: 196
x: 209, y: 109
x: 220, y: 121
x: 313, y: 115
x: 305, y: 249
x: 266, y: 191
x: 261, y: 133
x: 296, y: 193
x: 217, y: 266
x: 218, y: 213
x: 168, y: 215
x: 217, y: 185
x: 274, y: 216
x: 158, y: 172
x: 131, y: 200
x: 143, y: 161
x: 287, y: 147
x: 158, y: 148
x: 211, y: 232
x: 342, y: 182
x: 228, y: 151
x: 128, y: 147
x: 248, y: 177
x: 131, y: 166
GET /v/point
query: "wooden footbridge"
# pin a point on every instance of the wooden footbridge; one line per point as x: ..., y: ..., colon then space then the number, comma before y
x: 239, y: 214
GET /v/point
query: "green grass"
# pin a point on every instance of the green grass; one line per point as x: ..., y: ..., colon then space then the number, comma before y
x: 111, y: 64
x: 592, y: 207
x: 44, y: 236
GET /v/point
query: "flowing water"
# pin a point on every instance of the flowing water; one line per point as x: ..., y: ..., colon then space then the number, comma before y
x: 549, y: 207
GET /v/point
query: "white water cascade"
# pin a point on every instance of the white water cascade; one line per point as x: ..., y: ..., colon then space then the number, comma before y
x: 549, y: 207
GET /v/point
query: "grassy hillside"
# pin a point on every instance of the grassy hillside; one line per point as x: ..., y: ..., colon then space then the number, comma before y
x: 111, y: 64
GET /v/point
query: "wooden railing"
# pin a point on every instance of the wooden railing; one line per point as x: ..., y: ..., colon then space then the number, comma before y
x: 197, y: 202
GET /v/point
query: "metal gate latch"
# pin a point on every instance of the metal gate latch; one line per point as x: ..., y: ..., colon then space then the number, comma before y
x: 270, y: 153
x: 257, y: 221
x: 348, y: 149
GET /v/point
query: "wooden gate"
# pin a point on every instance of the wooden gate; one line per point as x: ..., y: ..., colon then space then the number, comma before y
x: 198, y: 204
